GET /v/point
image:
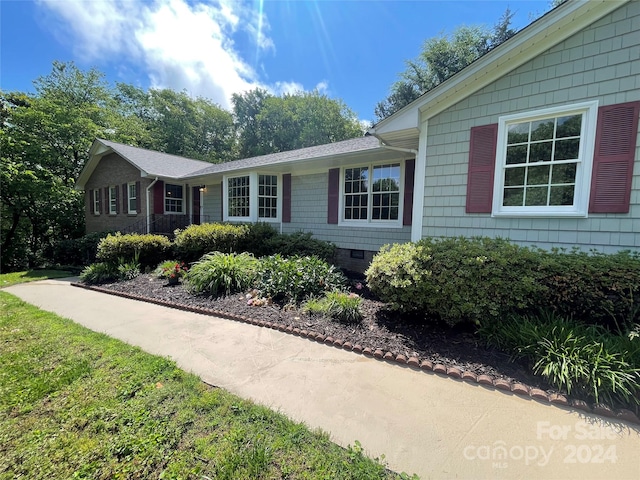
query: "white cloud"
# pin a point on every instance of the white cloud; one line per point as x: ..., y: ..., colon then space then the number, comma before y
x: 283, y: 88
x: 182, y: 45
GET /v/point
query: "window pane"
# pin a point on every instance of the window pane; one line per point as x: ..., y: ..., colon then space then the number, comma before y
x: 538, y: 175
x: 567, y: 149
x: 569, y: 126
x: 513, y: 197
x: 535, y: 196
x: 542, y: 130
x: 564, y: 173
x: 518, y: 133
x: 562, y: 195
x: 514, y: 176
x: 540, y: 152
x: 516, y: 155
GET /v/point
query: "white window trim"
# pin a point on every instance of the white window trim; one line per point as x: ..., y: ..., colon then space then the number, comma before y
x: 184, y: 199
x: 135, y: 210
x: 96, y: 201
x: 589, y: 110
x: 253, y: 199
x: 369, y: 223
x: 114, y: 210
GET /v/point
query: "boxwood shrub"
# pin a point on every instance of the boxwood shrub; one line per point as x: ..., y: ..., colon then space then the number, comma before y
x: 150, y: 249
x: 196, y: 240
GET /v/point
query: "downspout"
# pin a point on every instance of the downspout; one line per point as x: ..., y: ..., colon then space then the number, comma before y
x: 148, y: 212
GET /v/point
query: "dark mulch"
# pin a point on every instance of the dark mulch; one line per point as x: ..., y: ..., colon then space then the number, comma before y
x: 380, y: 329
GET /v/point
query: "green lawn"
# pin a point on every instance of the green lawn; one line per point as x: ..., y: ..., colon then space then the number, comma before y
x: 78, y: 404
x: 7, y: 279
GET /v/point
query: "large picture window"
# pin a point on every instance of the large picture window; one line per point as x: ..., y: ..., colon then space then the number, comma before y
x: 173, y: 198
x: 252, y: 197
x: 544, y: 161
x: 371, y: 193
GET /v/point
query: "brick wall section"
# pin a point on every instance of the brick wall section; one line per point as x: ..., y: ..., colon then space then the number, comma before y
x: 114, y: 170
x: 600, y: 63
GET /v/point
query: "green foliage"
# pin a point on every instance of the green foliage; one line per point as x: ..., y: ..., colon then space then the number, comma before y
x: 457, y: 280
x: 296, y: 278
x: 77, y: 251
x: 100, y: 272
x: 302, y: 244
x: 585, y: 360
x: 218, y: 272
x: 258, y: 239
x: 341, y: 306
x: 442, y: 57
x: 596, y: 288
x: 150, y: 248
x: 171, y: 267
x: 196, y: 240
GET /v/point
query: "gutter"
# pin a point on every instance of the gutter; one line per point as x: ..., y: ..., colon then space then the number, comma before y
x: 397, y: 149
x: 149, y: 213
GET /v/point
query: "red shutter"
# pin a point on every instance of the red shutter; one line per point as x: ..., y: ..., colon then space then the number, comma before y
x: 409, y: 179
x: 196, y: 205
x: 482, y: 159
x: 158, y: 197
x: 125, y: 198
x: 286, y: 198
x: 138, y: 197
x: 613, y: 158
x: 91, y: 202
x: 334, y: 195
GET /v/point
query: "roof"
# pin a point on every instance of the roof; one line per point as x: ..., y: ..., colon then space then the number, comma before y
x: 157, y: 164
x: 559, y: 24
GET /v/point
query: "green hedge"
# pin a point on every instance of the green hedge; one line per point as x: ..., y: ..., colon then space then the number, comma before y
x: 151, y: 249
x: 196, y: 240
x: 481, y: 279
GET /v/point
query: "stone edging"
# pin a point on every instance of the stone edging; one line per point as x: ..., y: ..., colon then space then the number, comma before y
x: 412, y: 362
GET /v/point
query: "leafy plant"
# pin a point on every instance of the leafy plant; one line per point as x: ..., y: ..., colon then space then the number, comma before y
x: 197, y: 240
x: 150, y: 248
x: 219, y: 272
x: 341, y: 306
x: 100, y: 272
x: 171, y: 269
x: 302, y: 244
x: 296, y: 278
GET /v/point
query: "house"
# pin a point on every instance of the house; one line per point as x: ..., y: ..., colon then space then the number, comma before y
x: 537, y: 141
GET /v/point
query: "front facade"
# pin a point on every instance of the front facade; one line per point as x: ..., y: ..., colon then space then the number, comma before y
x: 536, y: 142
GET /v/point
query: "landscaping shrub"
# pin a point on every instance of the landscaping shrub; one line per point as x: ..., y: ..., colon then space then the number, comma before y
x: 302, y: 244
x: 222, y: 273
x: 457, y: 280
x: 171, y: 267
x: 99, y: 273
x: 77, y: 251
x: 258, y: 240
x: 596, y: 288
x: 296, y: 278
x: 150, y: 248
x: 196, y: 240
x: 341, y: 306
x: 586, y: 360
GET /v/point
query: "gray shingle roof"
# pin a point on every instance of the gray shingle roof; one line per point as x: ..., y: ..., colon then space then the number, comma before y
x: 157, y: 163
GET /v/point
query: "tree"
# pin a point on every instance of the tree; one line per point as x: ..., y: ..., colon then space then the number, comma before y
x: 270, y: 124
x: 442, y: 57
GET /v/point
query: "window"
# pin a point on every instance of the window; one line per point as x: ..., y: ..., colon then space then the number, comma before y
x: 113, y: 201
x: 267, y: 196
x: 371, y: 193
x: 252, y: 197
x: 544, y: 162
x: 132, y: 198
x: 173, y: 198
x: 238, y: 197
x: 96, y: 201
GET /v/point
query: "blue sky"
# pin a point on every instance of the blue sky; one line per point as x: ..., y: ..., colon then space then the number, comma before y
x: 351, y: 50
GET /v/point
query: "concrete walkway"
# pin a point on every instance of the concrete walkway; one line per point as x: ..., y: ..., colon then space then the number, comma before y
x: 433, y: 426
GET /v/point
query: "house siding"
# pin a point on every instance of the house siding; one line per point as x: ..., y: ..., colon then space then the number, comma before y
x: 113, y: 170
x: 212, y: 203
x: 600, y: 63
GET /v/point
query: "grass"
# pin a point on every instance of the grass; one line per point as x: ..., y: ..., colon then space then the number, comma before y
x: 78, y: 404
x: 8, y: 279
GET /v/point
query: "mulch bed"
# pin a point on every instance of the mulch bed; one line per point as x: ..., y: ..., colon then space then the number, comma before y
x: 381, y: 330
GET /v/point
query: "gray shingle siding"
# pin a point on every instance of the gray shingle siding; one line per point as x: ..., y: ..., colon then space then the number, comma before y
x: 600, y: 63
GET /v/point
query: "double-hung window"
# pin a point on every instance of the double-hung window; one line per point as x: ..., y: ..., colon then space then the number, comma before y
x: 113, y: 201
x: 371, y: 194
x: 253, y: 197
x: 96, y: 201
x: 173, y: 198
x: 544, y: 160
x: 132, y: 198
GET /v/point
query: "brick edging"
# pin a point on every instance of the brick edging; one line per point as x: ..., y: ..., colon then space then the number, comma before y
x: 414, y: 363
